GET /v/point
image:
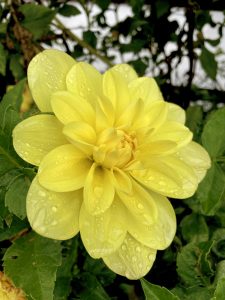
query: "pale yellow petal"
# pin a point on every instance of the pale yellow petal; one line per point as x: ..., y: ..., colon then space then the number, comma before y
x: 146, y: 89
x: 116, y: 90
x: 34, y: 137
x: 176, y: 113
x: 132, y: 260
x: 71, y: 108
x: 160, y: 234
x: 104, y: 233
x: 195, y: 156
x: 53, y: 215
x: 121, y: 180
x: 85, y: 81
x: 140, y: 204
x: 98, y: 190
x: 152, y: 117
x: 47, y: 74
x: 64, y: 169
x: 81, y: 135
x: 168, y: 176
x: 174, y: 132
x: 126, y: 71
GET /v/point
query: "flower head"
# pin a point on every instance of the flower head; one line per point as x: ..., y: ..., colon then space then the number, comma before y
x: 109, y: 151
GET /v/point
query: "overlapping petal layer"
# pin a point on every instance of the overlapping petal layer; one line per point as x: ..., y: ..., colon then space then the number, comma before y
x: 51, y: 214
x: 109, y: 156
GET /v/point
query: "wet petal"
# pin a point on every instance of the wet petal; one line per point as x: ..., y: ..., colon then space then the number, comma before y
x: 126, y: 71
x: 140, y: 204
x: 53, y: 215
x: 71, y: 108
x: 64, y: 169
x: 174, y: 132
x: 116, y: 90
x: 81, y: 135
x: 168, y: 176
x: 34, y: 137
x: 176, y: 113
x: 47, y: 74
x: 132, y: 259
x: 195, y: 156
x: 160, y: 234
x: 146, y: 89
x: 98, y: 190
x: 121, y: 180
x: 104, y: 233
x: 85, y: 81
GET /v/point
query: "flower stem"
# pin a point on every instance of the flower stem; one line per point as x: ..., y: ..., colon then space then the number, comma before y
x: 82, y: 43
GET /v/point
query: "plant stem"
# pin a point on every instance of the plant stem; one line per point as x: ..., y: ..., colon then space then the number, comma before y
x: 82, y: 43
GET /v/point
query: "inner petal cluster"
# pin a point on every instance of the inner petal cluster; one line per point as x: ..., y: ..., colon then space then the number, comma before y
x: 114, y: 148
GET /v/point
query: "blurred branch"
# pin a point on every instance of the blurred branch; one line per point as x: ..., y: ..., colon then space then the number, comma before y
x: 82, y: 43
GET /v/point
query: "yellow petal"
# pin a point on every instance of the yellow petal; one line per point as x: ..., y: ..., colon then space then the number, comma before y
x: 85, y: 81
x: 176, y: 113
x: 195, y: 156
x: 132, y: 260
x: 169, y: 176
x: 121, y: 180
x: 146, y: 89
x: 81, y: 135
x: 116, y: 90
x: 47, y: 74
x: 160, y: 234
x: 98, y: 190
x: 34, y: 137
x: 104, y: 233
x: 70, y: 108
x: 53, y: 215
x: 140, y: 204
x: 126, y: 71
x: 64, y: 169
x: 174, y: 132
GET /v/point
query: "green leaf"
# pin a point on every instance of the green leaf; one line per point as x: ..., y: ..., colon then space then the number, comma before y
x: 9, y: 232
x: 194, y: 228
x: 64, y: 272
x: 37, y: 18
x: 208, y: 63
x: 3, y: 60
x: 162, y: 7
x: 194, y: 264
x: 16, y: 66
x: 219, y: 242
x: 68, y: 10
x: 15, y: 197
x: 156, y: 292
x: 194, y: 117
x: 93, y: 288
x: 31, y: 262
x: 211, y: 191
x: 214, y: 132
x: 90, y: 38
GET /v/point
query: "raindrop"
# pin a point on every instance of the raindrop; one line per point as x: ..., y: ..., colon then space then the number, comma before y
x: 124, y: 247
x: 41, y: 193
x: 54, y: 223
x: 98, y: 191
x: 54, y: 208
x: 134, y: 258
x: 140, y: 206
x: 138, y: 249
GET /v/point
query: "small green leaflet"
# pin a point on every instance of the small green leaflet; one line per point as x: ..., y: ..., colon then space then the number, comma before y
x: 31, y: 262
x: 208, y: 63
x: 156, y: 292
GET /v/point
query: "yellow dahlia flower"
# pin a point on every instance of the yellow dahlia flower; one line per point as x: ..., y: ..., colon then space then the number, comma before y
x: 109, y: 151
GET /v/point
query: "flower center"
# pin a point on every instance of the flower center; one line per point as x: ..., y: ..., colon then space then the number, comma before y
x: 114, y: 148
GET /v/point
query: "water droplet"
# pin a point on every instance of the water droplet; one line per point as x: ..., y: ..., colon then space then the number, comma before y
x: 140, y: 265
x: 138, y: 249
x: 41, y: 193
x: 134, y: 258
x: 43, y: 229
x: 124, y: 247
x: 140, y: 206
x: 54, y: 223
x: 54, y: 208
x: 98, y: 191
x: 161, y: 182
